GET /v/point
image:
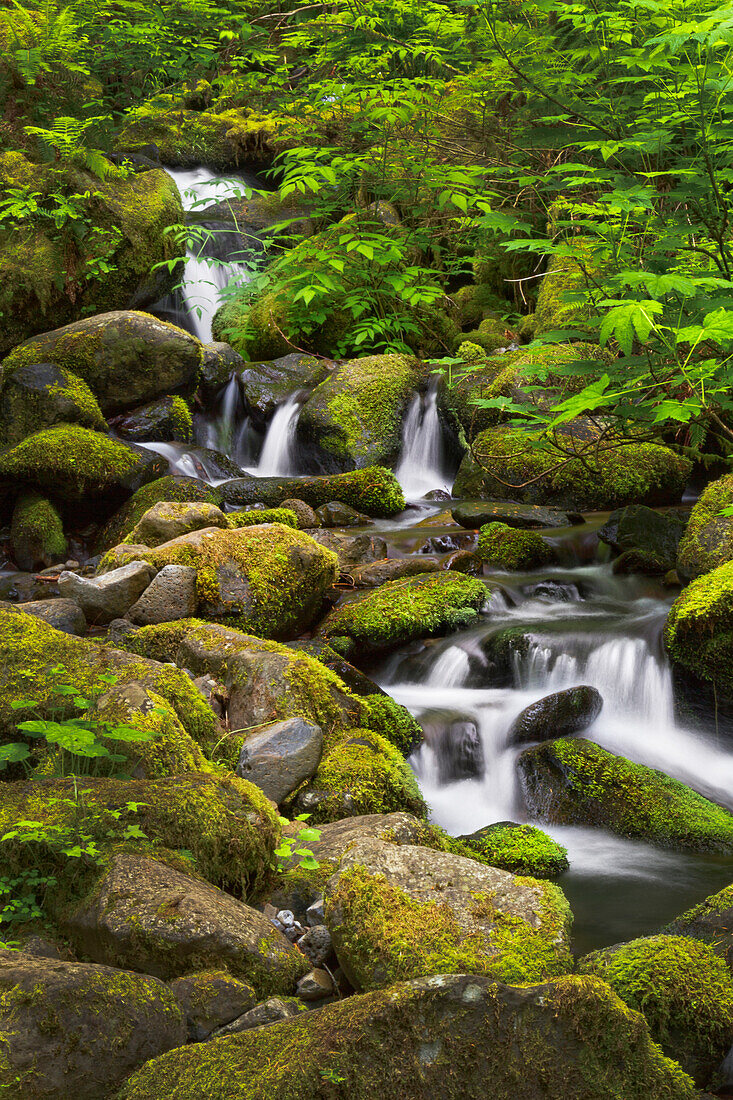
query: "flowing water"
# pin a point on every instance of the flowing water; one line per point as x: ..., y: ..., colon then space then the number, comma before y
x: 422, y: 466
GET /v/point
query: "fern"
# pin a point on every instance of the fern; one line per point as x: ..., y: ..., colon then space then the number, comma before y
x: 66, y: 139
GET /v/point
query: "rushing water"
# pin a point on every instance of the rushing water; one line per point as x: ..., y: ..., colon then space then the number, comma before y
x: 422, y: 466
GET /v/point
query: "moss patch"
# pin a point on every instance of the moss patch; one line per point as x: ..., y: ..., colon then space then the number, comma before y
x: 268, y: 515
x: 510, y: 548
x: 708, y: 538
x: 521, y: 849
x: 374, y: 491
x: 36, y: 532
x: 170, y: 488
x: 699, y: 630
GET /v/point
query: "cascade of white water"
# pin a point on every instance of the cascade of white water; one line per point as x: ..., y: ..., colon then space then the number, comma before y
x: 422, y: 463
x: 278, y: 450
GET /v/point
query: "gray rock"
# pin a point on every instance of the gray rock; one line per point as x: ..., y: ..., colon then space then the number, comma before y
x: 269, y: 1012
x: 352, y: 550
x: 315, y: 914
x: 315, y: 985
x: 77, y: 1030
x: 456, y: 743
x: 65, y: 615
x: 170, y: 596
x: 524, y: 516
x: 150, y: 917
x: 307, y: 516
x: 156, y: 421
x: 108, y: 597
x: 646, y: 540
x: 316, y: 944
x: 339, y: 836
x: 336, y: 514
x: 561, y: 714
x: 211, y: 999
x: 168, y: 520
x: 40, y: 395
x: 220, y: 362
x: 279, y: 758
x: 379, y: 572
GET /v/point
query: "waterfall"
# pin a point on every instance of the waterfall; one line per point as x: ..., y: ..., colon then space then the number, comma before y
x: 422, y: 463
x: 208, y: 269
x: 278, y: 451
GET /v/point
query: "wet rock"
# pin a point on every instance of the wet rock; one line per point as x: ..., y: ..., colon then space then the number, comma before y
x: 171, y: 595
x: 474, y: 516
x: 150, y: 917
x: 521, y: 849
x: 646, y: 540
x: 450, y: 1032
x: 271, y: 1011
x: 336, y: 514
x: 464, y: 561
x: 220, y: 361
x: 307, y: 517
x: 57, y: 1019
x: 374, y: 490
x: 280, y: 757
x: 575, y: 782
x: 444, y: 544
x: 167, y: 419
x: 40, y: 395
x: 437, y: 494
x: 352, y: 550
x: 315, y: 985
x: 126, y: 358
x: 108, y: 597
x: 380, y: 572
x: 697, y: 632
x: 211, y: 999
x: 556, y: 591
x: 455, y: 740
x: 64, y: 615
x: 561, y: 714
x: 463, y: 916
x: 267, y: 385
x: 316, y: 944
x: 168, y: 520
x: 711, y: 922
x: 505, y: 547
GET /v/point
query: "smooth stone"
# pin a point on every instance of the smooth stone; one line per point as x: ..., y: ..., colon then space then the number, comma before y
x: 268, y: 1012
x: 169, y: 596
x: 513, y: 515
x: 307, y: 517
x: 315, y: 913
x: 379, y: 572
x: 336, y: 514
x: 315, y: 985
x: 211, y: 999
x: 65, y: 615
x: 281, y: 757
x: 168, y: 520
x: 561, y: 714
x: 352, y: 550
x: 110, y: 596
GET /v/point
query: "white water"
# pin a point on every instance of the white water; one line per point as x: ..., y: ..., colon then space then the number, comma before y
x: 206, y: 274
x: 186, y: 463
x: 422, y: 464
x: 277, y: 457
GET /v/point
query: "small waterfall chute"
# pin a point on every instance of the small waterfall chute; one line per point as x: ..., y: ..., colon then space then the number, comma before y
x: 277, y: 458
x: 422, y: 465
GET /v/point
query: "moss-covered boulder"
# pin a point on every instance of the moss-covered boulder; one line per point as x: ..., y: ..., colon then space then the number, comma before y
x: 402, y: 611
x: 508, y: 548
x: 268, y: 384
x: 646, y: 541
x: 145, y: 915
x: 36, y: 532
x: 354, y: 418
x: 50, y: 278
x: 167, y: 419
x: 284, y: 516
x: 400, y: 911
x: 708, y: 538
x: 125, y: 357
x: 73, y: 1029
x: 374, y: 490
x: 40, y: 395
x: 169, y: 519
x: 506, y: 463
x: 268, y: 579
x: 576, y: 782
x: 446, y: 1037
x: 561, y: 300
x: 174, y: 488
x: 711, y: 922
x: 359, y: 773
x: 79, y: 466
x: 683, y: 990
x: 210, y: 999
x: 521, y: 849
x: 226, y: 825
x: 699, y: 630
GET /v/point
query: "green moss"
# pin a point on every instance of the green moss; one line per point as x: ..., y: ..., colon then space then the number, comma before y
x: 362, y: 773
x: 708, y: 538
x: 513, y: 549
x: 560, y: 302
x: 39, y: 402
x: 169, y: 488
x: 683, y: 990
x: 374, y: 491
x: 699, y: 630
x: 388, y: 936
x: 181, y: 419
x: 522, y: 849
x: 283, y: 516
x: 577, y: 782
x: 404, y: 610
x: 393, y: 721
x: 507, y: 463
x: 36, y: 532
x: 470, y: 352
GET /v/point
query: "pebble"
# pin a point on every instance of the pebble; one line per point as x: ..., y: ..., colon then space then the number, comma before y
x: 315, y: 914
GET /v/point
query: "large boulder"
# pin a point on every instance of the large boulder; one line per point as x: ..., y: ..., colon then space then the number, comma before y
x: 400, y: 911
x: 699, y: 630
x: 504, y: 464
x: 521, y: 849
x: 36, y: 532
x: 439, y: 1038
x: 575, y: 782
x: 74, y: 1029
x: 211, y: 999
x: 402, y: 611
x: 126, y: 358
x: 523, y: 516
x: 79, y: 466
x: 167, y: 419
x: 707, y: 541
x: 65, y: 615
x: 512, y: 549
x: 352, y: 550
x: 49, y: 277
x: 561, y: 714
x: 40, y: 395
x: 170, y: 488
x: 682, y: 989
x: 144, y: 915
x: 108, y: 597
x: 267, y: 385
x: 280, y: 757
x: 711, y: 922
x: 265, y: 578
x: 169, y: 519
x: 646, y: 540
x: 374, y: 491
x: 354, y: 418
x: 171, y: 595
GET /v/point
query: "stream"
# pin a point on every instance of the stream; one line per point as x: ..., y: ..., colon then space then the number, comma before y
x: 577, y: 623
